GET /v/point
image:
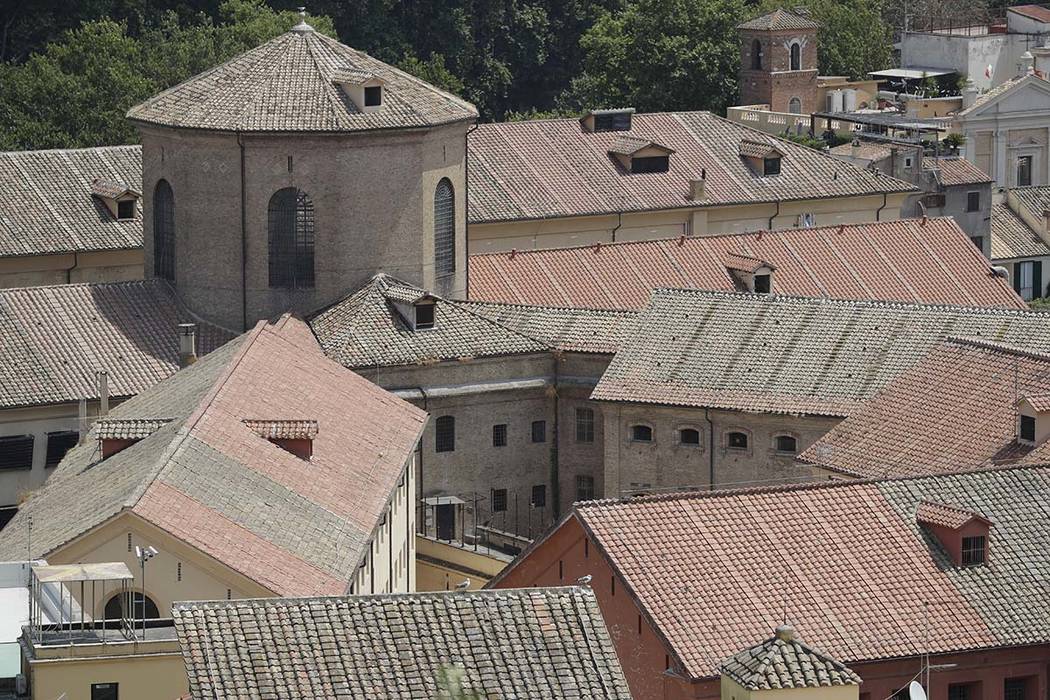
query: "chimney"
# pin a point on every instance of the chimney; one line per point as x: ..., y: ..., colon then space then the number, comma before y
x: 1027, y: 64
x: 187, y: 344
x: 103, y: 392
x: 696, y: 186
x: 854, y: 148
x: 786, y: 633
x: 969, y: 94
x: 82, y: 421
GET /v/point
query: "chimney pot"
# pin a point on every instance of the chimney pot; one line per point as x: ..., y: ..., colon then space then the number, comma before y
x: 187, y: 344
x: 102, y: 379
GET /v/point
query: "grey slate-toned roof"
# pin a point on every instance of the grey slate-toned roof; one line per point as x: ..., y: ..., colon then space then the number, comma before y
x: 1012, y: 237
x: 46, y: 202
x: 366, y: 330
x: 1034, y: 200
x: 54, y: 339
x: 530, y: 643
x: 779, y: 20
x: 789, y: 354
x: 127, y: 428
x: 296, y: 527
x: 289, y: 84
x: 784, y: 661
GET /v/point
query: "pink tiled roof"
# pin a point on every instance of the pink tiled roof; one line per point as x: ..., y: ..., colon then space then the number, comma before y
x: 295, y: 526
x: 954, y: 410
x: 929, y: 513
x: 1036, y: 12
x: 1040, y: 401
x: 892, y: 261
x: 846, y: 561
x: 957, y: 171
x: 549, y: 168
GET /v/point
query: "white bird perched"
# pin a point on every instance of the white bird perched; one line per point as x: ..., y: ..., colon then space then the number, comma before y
x: 584, y: 580
x: 463, y: 585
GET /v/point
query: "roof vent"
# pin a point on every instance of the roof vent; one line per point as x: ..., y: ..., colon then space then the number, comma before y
x: 598, y: 120
x: 295, y: 436
x: 417, y: 307
x: 962, y: 533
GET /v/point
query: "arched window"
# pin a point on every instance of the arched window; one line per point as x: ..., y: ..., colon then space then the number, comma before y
x: 795, y: 106
x: 291, y: 238
x: 737, y: 440
x: 796, y: 56
x: 163, y: 231
x: 689, y: 436
x: 785, y: 443
x: 641, y: 433
x: 444, y: 229
x: 756, y: 54
x: 115, y: 604
x: 445, y: 434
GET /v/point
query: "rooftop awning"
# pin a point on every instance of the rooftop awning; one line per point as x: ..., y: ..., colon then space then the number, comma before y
x: 910, y: 73
x: 56, y: 573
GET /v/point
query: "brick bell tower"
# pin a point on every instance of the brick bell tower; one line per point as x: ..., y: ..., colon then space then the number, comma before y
x: 778, y: 62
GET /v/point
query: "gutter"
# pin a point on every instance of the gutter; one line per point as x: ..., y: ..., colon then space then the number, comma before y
x: 878, y: 212
x: 774, y: 216
x: 619, y: 223
x: 244, y: 241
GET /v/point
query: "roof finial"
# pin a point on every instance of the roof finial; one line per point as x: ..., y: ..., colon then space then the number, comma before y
x: 302, y: 27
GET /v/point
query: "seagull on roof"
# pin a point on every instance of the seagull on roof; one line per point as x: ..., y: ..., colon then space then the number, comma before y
x: 463, y: 585
x: 584, y: 580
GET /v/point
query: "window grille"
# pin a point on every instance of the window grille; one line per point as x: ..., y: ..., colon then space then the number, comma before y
x: 445, y: 434
x: 499, y: 500
x: 164, y: 231
x: 1015, y: 689
x: 973, y: 550
x: 539, y: 496
x: 444, y: 229
x: 584, y: 488
x: 584, y: 425
x: 499, y: 435
x: 291, y: 239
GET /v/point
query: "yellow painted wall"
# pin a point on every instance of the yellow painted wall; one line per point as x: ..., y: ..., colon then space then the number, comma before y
x: 731, y: 690
x: 390, y: 566
x: 586, y: 230
x: 441, y: 566
x: 160, y: 676
x: 99, y: 266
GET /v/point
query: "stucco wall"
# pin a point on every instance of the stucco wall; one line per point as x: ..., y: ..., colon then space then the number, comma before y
x: 70, y: 268
x: 159, y: 676
x: 373, y: 198
x: 390, y: 564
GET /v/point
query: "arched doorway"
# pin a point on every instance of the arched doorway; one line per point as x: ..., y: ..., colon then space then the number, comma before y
x: 114, y: 606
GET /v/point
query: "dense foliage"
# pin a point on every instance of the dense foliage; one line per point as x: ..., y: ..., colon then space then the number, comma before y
x: 71, y: 70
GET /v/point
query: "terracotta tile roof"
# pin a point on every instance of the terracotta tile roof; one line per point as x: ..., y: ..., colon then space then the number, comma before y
x: 857, y: 569
x: 1012, y: 237
x: 128, y: 428
x: 628, y: 145
x: 206, y: 478
x: 929, y: 513
x: 956, y: 171
x: 289, y: 84
x: 534, y: 643
x: 867, y: 151
x: 783, y: 661
x: 46, y: 203
x: 954, y: 410
x: 758, y: 149
x: 892, y: 260
x: 1036, y: 12
x: 1040, y: 402
x: 283, y: 429
x: 789, y: 355
x: 779, y: 20
x: 366, y: 330
x: 111, y: 189
x: 745, y: 263
x: 552, y: 168
x: 54, y: 339
x: 1035, y: 200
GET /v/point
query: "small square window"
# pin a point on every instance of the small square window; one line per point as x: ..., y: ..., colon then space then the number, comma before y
x: 373, y: 96
x: 689, y: 436
x: 584, y: 488
x: 539, y: 431
x: 973, y: 203
x: 737, y: 441
x: 973, y: 550
x: 126, y: 209
x: 539, y: 496
x: 1028, y: 428
x: 786, y: 444
x: 499, y: 500
x: 763, y: 284
x: 424, y: 316
x: 499, y: 435
x: 978, y: 241
x: 1015, y: 689
x: 104, y: 691
x: 907, y: 162
x: 641, y: 433
x: 770, y: 166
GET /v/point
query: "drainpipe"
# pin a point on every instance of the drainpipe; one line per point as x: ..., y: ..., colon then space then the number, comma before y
x: 619, y: 223
x: 774, y: 216
x: 710, y: 448
x: 419, y: 486
x: 466, y: 205
x: 244, y: 240
x: 878, y: 212
x: 555, y: 475
x: 69, y: 270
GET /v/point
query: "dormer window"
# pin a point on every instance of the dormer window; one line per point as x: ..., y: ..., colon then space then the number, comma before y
x: 364, y: 89
x: 416, y: 307
x: 599, y: 120
x: 117, y: 434
x: 962, y: 533
x: 764, y: 159
x: 120, y: 200
x: 640, y: 155
x: 750, y: 274
x: 1033, y: 419
x: 424, y: 315
x: 294, y: 436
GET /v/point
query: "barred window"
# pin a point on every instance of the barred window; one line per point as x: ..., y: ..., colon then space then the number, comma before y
x: 539, y: 431
x: 584, y: 488
x: 164, y: 231
x: 539, y: 496
x: 973, y: 550
x: 584, y: 425
x: 444, y: 229
x: 445, y: 434
x: 499, y: 500
x: 499, y: 435
x: 291, y: 239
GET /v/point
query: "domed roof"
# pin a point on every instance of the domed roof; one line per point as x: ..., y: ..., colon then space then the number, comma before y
x: 294, y: 83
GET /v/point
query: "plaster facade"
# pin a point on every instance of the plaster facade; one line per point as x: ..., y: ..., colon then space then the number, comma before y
x: 71, y: 268
x: 373, y: 203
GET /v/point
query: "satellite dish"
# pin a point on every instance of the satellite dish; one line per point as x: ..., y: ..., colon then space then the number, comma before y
x: 915, y: 691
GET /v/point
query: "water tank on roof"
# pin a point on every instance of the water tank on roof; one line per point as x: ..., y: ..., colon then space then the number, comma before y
x: 849, y: 100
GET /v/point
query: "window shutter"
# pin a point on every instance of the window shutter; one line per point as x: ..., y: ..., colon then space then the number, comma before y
x: 16, y: 452
x: 1037, y: 279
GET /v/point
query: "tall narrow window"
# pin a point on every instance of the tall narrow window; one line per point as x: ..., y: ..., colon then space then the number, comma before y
x: 291, y: 239
x: 445, y: 434
x: 539, y: 431
x: 796, y: 56
x: 795, y: 105
x: 444, y: 229
x: 164, y: 231
x: 1024, y: 171
x: 584, y: 425
x: 756, y: 55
